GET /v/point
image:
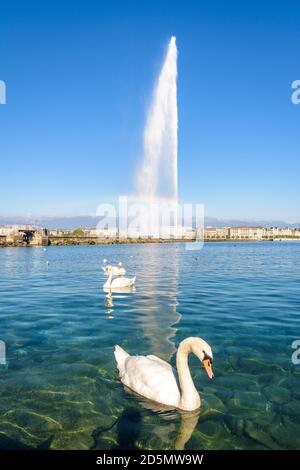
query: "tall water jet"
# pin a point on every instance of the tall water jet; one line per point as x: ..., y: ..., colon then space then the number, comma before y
x: 157, y: 177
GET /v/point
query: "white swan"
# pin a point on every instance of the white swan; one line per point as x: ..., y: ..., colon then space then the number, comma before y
x: 119, y: 282
x: 116, y: 270
x: 156, y: 380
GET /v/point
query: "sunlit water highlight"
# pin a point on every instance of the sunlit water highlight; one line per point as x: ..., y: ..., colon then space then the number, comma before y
x: 60, y: 388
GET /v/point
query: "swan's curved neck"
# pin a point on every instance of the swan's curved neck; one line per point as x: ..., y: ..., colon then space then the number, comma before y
x: 110, y: 278
x: 190, y: 398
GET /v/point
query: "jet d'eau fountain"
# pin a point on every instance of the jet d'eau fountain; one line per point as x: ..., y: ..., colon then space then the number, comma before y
x: 153, y: 211
x: 157, y: 176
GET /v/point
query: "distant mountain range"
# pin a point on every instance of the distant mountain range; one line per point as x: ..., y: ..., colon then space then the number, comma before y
x: 91, y: 221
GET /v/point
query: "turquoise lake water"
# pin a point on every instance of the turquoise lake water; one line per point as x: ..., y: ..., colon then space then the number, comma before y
x: 59, y: 388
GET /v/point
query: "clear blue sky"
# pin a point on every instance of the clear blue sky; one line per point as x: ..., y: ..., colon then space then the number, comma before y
x: 79, y: 76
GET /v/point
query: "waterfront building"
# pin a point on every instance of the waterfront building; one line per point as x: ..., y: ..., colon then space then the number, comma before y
x: 103, y: 232
x: 247, y: 232
x: 216, y: 232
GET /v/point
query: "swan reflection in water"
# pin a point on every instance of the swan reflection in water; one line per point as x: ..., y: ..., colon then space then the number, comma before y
x: 188, y: 420
x: 109, y: 299
x: 109, y: 305
x: 129, y: 426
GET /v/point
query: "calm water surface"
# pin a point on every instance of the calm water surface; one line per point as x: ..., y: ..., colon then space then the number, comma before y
x: 60, y: 388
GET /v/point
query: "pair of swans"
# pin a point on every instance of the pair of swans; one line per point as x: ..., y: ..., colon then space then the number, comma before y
x: 155, y: 379
x: 116, y: 270
x: 119, y: 282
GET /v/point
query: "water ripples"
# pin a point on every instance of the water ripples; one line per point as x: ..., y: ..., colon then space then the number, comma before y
x: 60, y: 387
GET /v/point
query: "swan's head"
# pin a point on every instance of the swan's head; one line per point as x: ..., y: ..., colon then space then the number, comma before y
x: 202, y: 350
x: 120, y: 264
x: 105, y: 260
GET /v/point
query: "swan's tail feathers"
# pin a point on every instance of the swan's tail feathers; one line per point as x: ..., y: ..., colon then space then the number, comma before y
x: 121, y: 357
x: 133, y: 280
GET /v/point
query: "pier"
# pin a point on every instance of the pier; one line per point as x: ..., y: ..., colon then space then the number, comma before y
x: 27, y: 236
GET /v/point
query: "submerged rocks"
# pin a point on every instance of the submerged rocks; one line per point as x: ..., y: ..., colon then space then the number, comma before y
x: 292, y: 409
x: 211, y: 405
x: 31, y: 421
x: 235, y: 424
x: 259, y: 432
x: 247, y: 404
x: 237, y: 381
x: 258, y: 366
x: 21, y: 430
x: 277, y: 394
x: 286, y: 434
x: 208, y: 435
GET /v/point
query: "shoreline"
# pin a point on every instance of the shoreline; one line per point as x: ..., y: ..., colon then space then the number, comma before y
x: 78, y: 241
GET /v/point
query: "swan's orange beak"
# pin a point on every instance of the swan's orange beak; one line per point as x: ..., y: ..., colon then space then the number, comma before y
x: 207, y: 365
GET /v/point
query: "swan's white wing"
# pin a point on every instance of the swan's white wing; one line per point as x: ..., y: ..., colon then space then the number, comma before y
x: 152, y: 378
x: 121, y: 282
x: 158, y: 359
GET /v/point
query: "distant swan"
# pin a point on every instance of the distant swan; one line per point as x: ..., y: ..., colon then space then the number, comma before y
x: 156, y: 380
x: 119, y: 282
x: 116, y: 270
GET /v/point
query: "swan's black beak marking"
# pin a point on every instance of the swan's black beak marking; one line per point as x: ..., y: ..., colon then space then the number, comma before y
x: 207, y: 362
